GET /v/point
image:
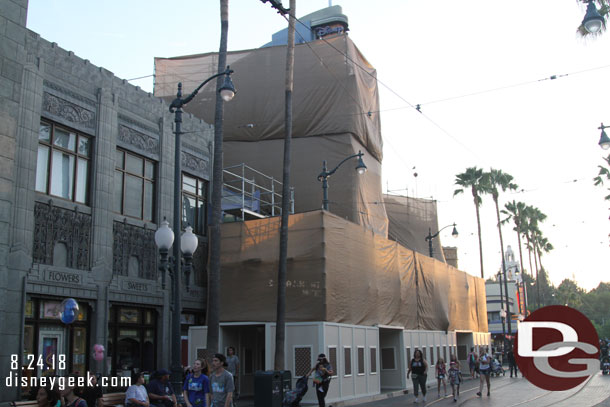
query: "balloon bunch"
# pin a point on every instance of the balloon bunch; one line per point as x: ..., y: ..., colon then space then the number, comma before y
x: 68, y: 310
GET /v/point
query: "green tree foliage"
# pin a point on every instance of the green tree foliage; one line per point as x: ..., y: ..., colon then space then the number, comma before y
x: 603, y: 175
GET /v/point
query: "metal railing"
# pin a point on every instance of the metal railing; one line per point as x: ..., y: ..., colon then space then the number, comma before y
x: 250, y: 194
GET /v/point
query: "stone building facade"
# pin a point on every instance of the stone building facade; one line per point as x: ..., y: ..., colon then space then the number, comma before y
x: 86, y: 175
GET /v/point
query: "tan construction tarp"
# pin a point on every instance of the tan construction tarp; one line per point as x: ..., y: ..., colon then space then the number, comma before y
x: 331, y: 94
x: 410, y: 220
x: 339, y: 271
x: 335, y: 115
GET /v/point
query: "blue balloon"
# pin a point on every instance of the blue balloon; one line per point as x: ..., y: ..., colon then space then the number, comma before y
x: 68, y: 310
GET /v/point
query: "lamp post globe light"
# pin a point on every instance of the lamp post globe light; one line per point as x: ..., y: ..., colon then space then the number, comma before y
x: 187, y: 244
x: 593, y: 21
x: 325, y: 174
x: 431, y: 236
x: 604, y: 140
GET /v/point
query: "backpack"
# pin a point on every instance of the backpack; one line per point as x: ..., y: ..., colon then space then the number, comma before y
x: 472, y: 360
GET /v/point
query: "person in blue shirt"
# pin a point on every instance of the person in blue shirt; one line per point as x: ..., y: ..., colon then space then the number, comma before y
x: 196, y: 389
x: 160, y: 390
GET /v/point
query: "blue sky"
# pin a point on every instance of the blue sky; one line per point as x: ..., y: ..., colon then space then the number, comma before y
x: 542, y: 131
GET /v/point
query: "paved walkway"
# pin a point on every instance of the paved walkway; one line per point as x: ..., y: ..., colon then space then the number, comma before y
x: 505, y: 392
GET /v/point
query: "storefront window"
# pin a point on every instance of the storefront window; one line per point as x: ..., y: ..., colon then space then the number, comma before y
x: 131, y: 341
x: 79, y: 349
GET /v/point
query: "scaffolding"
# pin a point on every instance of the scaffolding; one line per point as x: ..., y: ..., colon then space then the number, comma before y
x: 250, y: 194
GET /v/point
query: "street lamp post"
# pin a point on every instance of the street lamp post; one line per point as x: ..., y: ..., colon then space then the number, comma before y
x: 431, y: 236
x: 593, y: 21
x: 188, y: 243
x: 325, y: 174
x: 502, y: 313
x: 604, y: 140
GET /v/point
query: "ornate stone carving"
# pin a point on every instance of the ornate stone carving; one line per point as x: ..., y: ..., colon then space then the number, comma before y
x: 199, y: 165
x: 135, y: 241
x: 67, y: 92
x: 138, y: 140
x: 188, y: 146
x: 133, y: 123
x: 54, y: 225
x: 63, y: 109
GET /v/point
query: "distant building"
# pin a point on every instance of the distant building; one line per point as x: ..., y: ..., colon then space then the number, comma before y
x: 319, y: 24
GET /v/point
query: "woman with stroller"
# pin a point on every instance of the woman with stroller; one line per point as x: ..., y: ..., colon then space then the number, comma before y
x: 455, y: 377
x: 322, y: 371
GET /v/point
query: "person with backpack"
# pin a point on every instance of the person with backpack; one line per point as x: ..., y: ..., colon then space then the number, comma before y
x: 484, y: 370
x: 473, y: 361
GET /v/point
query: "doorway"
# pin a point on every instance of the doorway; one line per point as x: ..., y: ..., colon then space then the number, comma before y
x: 249, y: 343
x: 51, y: 349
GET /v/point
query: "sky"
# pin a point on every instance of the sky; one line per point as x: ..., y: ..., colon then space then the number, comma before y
x: 480, y: 71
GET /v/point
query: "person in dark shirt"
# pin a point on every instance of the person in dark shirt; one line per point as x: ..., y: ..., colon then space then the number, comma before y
x: 91, y: 394
x: 160, y: 390
x: 323, y: 373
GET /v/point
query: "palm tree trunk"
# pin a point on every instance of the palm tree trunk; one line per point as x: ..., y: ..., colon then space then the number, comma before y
x: 522, y: 271
x: 280, y: 327
x: 476, y: 207
x: 537, y: 279
x: 508, y: 312
x: 213, y: 317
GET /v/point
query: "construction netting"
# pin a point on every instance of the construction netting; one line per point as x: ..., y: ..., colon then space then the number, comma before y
x: 411, y: 220
x: 339, y: 271
x: 335, y: 114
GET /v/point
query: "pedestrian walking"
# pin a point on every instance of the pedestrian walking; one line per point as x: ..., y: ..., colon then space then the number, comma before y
x: 233, y: 368
x: 136, y: 394
x: 512, y: 364
x: 418, y: 369
x: 221, y: 382
x: 473, y: 361
x: 455, y: 376
x: 441, y: 374
x: 323, y: 372
x: 484, y: 370
x: 196, y: 388
x: 160, y: 390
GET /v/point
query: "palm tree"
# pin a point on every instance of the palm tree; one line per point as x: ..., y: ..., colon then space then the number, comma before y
x: 213, y: 317
x: 473, y: 178
x: 495, y: 180
x: 543, y: 246
x: 515, y: 211
x: 533, y: 235
x: 280, y: 327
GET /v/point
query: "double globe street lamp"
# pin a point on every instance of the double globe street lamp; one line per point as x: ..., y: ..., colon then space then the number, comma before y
x: 187, y: 244
x: 325, y: 174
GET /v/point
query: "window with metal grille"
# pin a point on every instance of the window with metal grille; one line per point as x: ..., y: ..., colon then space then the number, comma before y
x: 431, y: 361
x: 347, y: 361
x: 134, y: 183
x: 373, y: 360
x: 387, y: 359
x: 408, y: 356
x: 63, y: 163
x: 332, y: 359
x: 302, y: 360
x: 423, y: 352
x: 360, y: 360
